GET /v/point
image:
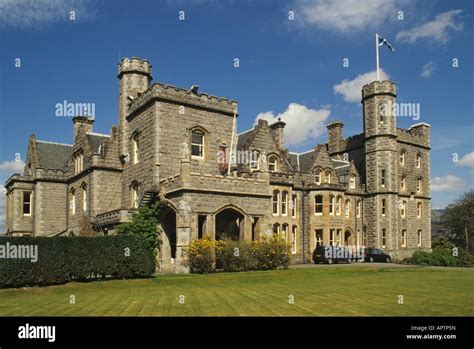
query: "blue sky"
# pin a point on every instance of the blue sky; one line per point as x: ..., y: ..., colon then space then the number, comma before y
x: 283, y: 63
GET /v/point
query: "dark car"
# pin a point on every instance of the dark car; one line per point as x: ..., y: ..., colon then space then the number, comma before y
x: 331, y: 254
x: 376, y: 255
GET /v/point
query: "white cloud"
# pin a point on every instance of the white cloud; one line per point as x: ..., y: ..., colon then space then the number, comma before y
x: 467, y: 160
x: 302, y: 123
x: 428, y: 69
x: 346, y: 16
x: 36, y: 13
x: 351, y: 90
x: 11, y: 167
x: 449, y: 183
x: 436, y: 30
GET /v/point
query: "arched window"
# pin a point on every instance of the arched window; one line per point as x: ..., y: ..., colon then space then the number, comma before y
x: 197, y: 144
x: 318, y: 205
x: 72, y: 202
x: 328, y: 176
x: 275, y: 201
x: 403, y: 182
x: 284, y: 203
x: 273, y: 163
x: 84, y: 196
x: 134, y: 194
x: 285, y: 231
x: 352, y: 181
x: 276, y: 228
x: 403, y: 208
x: 347, y: 208
x: 318, y: 175
x: 418, y: 160
x: 135, y: 148
x: 402, y: 157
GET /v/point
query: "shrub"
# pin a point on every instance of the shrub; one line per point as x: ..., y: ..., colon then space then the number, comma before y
x: 268, y: 253
x: 234, y: 255
x: 201, y: 255
x: 442, y: 255
x: 271, y: 253
x: 65, y: 259
x: 144, y: 224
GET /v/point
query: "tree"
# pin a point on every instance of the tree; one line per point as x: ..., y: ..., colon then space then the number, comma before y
x: 459, y: 219
x: 144, y: 224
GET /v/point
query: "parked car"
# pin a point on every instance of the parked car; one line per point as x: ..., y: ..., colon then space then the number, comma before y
x: 376, y: 255
x: 331, y: 254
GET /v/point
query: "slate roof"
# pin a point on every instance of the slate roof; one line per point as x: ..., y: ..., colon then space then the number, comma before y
x: 95, y: 140
x: 306, y: 160
x: 245, y: 138
x: 54, y: 156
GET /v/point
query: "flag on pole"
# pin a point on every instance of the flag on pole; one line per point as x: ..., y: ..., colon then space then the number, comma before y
x: 383, y: 41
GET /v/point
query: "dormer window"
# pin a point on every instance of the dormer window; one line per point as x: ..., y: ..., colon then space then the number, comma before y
x: 197, y: 144
x: 328, y: 177
x: 254, y: 161
x: 135, y: 148
x: 352, y: 181
x: 273, y: 163
x: 317, y: 176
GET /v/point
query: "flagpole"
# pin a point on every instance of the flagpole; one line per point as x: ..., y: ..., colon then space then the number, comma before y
x: 377, y: 54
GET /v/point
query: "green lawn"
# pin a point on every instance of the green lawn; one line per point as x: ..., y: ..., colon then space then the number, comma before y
x: 323, y: 291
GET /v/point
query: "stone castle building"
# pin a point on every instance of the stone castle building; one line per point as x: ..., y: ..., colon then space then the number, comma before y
x: 371, y: 189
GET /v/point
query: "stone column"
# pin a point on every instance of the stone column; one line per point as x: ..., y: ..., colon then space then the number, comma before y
x: 183, y: 235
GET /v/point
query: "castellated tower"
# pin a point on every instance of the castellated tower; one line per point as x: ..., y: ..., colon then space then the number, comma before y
x: 134, y: 76
x: 380, y: 143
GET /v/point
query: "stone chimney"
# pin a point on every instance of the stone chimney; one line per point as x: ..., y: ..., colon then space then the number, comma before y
x: 278, y: 128
x: 335, y: 136
x: 79, y: 121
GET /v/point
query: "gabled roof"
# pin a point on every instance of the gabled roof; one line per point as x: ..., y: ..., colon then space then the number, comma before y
x: 54, y: 156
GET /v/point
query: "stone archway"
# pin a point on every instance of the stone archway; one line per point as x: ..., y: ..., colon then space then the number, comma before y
x: 230, y: 223
x: 168, y: 239
x: 349, y: 238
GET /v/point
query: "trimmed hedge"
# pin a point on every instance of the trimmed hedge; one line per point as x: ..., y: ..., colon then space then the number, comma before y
x: 65, y: 259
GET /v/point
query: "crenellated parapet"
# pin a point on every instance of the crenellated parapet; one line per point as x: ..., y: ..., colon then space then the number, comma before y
x: 170, y: 93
